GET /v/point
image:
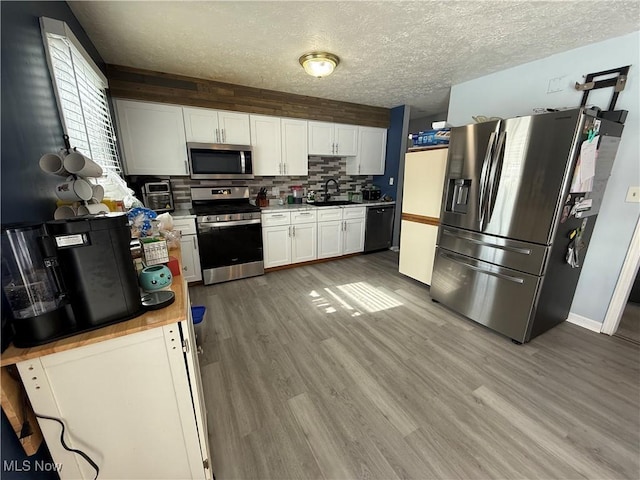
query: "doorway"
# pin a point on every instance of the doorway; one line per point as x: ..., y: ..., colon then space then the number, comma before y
x: 621, y: 308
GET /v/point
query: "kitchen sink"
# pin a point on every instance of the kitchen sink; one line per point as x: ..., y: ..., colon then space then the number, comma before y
x: 334, y: 203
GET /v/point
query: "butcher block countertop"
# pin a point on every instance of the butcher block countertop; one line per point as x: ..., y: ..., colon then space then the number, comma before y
x: 175, y: 312
x: 11, y: 386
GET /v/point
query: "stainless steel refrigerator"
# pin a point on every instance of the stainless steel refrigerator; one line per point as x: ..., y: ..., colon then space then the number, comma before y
x: 513, y: 204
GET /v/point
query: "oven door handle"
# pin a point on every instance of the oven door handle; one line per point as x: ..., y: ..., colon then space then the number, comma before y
x: 205, y: 227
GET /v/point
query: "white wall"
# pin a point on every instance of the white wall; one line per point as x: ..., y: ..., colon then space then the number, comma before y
x: 518, y: 90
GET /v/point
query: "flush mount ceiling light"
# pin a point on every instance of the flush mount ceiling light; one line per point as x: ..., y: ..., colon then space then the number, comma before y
x: 319, y: 64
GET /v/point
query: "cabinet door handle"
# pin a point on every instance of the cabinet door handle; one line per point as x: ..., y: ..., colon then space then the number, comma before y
x: 337, y: 148
x: 289, y: 230
x: 217, y: 136
x: 195, y: 243
x: 294, y: 231
x: 277, y: 215
x: 223, y: 136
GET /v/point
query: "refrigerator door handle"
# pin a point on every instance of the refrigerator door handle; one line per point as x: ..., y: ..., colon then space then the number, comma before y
x: 482, y: 270
x: 523, y: 251
x: 484, y: 179
x: 495, y: 174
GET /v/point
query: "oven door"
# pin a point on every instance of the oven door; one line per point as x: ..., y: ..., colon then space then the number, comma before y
x: 217, y: 161
x: 230, y: 250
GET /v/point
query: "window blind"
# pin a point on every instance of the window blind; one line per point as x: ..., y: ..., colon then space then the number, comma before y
x: 82, y: 100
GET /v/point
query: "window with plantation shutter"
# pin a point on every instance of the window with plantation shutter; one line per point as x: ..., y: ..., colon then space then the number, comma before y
x: 81, y: 92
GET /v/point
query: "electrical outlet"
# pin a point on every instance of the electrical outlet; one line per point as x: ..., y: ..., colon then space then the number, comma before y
x: 633, y: 195
x: 275, y: 191
x: 390, y: 180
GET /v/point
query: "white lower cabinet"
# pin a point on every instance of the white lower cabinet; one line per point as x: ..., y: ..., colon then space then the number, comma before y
x: 330, y: 238
x: 189, y: 250
x: 133, y: 404
x: 304, y: 246
x: 305, y: 235
x: 340, y: 231
x: 353, y: 236
x: 276, y: 243
x: 288, y: 237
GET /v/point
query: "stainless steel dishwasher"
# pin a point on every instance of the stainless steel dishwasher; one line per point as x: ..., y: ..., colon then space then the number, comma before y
x: 379, y: 227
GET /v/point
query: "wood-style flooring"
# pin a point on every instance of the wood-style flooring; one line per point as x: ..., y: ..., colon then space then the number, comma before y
x: 629, y: 327
x: 346, y: 370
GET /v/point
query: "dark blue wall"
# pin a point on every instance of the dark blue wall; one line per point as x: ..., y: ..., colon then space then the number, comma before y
x: 30, y: 127
x: 30, y: 122
x: 392, y: 162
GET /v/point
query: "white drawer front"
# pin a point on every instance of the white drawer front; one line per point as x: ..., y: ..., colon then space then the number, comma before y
x: 354, y: 212
x: 275, y: 218
x: 305, y: 216
x: 186, y: 226
x: 326, y: 214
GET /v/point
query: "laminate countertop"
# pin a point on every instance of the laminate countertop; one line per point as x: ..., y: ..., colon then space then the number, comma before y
x: 175, y: 312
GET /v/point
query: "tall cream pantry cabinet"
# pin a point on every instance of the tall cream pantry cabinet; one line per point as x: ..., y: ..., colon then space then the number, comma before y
x: 424, y: 173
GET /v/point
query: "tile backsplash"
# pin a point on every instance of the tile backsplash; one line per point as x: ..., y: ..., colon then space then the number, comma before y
x: 321, y: 169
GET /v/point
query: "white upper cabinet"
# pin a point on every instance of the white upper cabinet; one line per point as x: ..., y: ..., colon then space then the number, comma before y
x: 216, y: 126
x: 295, y: 147
x: 266, y: 145
x: 279, y: 146
x: 346, y: 138
x: 152, y: 138
x: 372, y: 148
x: 201, y: 125
x: 234, y: 128
x: 333, y: 139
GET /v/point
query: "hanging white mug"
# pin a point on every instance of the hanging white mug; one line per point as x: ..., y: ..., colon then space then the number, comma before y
x: 98, y: 193
x: 64, y: 211
x: 78, y: 164
x: 93, y: 209
x: 74, y: 189
x: 54, y: 163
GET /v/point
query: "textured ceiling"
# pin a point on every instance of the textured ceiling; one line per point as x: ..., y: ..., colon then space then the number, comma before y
x: 392, y: 53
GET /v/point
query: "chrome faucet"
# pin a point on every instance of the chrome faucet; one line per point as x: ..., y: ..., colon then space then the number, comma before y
x: 326, y: 188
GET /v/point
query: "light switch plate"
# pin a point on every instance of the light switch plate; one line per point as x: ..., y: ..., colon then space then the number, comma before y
x: 633, y: 195
x: 391, y: 181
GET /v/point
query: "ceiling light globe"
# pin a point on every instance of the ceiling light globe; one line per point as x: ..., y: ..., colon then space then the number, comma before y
x: 319, y: 64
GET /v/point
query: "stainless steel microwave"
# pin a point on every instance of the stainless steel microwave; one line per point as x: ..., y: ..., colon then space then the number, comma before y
x: 217, y: 161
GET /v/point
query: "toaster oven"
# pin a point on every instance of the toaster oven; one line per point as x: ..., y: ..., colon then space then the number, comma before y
x: 157, y: 196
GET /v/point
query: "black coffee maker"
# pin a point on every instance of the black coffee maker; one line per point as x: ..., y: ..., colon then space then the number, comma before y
x: 68, y: 276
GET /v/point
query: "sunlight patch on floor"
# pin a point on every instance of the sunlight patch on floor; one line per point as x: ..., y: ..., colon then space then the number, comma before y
x: 370, y: 298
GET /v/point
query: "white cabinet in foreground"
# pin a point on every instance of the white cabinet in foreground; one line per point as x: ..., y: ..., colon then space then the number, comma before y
x: 133, y: 404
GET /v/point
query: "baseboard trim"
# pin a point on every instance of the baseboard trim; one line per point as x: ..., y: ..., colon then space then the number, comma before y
x: 584, y: 322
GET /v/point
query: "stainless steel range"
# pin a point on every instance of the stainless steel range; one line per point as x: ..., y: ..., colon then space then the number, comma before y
x: 229, y: 233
